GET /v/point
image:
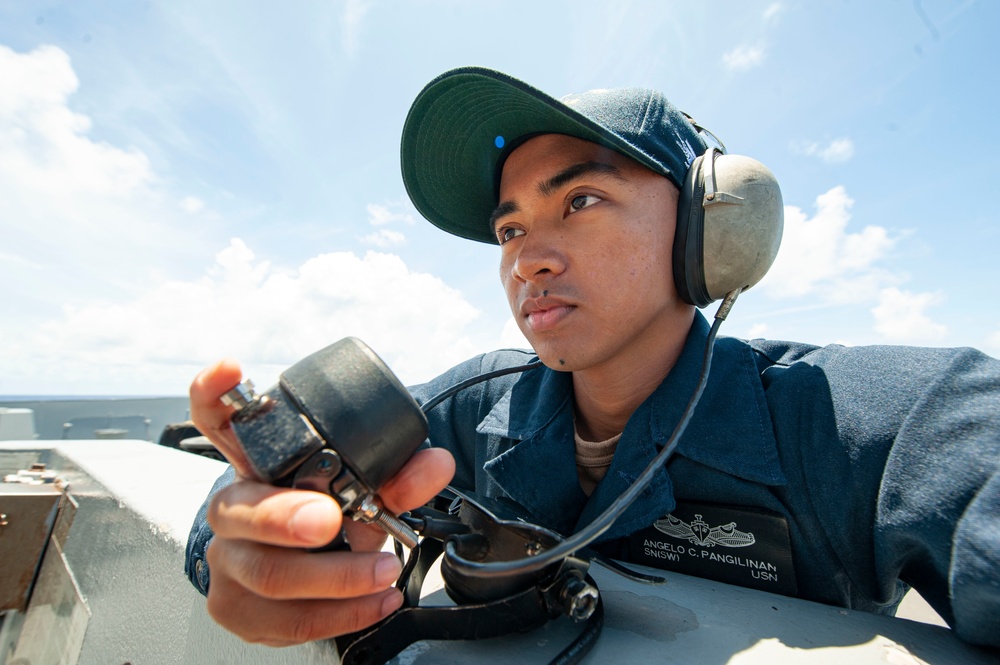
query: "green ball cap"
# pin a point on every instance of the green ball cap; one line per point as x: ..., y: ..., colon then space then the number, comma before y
x: 464, y: 124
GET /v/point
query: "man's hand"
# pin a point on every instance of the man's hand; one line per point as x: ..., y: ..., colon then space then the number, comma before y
x: 265, y: 587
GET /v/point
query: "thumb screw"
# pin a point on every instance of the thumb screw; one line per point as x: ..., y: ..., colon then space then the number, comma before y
x: 240, y: 395
x: 370, y: 511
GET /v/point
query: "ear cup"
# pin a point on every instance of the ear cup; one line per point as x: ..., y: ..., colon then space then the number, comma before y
x: 730, y: 218
x: 688, y: 266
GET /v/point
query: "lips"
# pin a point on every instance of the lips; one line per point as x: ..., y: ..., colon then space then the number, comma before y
x: 545, y: 313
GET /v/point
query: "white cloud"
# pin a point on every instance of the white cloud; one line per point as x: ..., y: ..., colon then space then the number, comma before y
x: 98, y: 235
x: 390, y: 213
x: 384, y: 238
x: 773, y: 10
x: 837, y: 151
x: 191, y: 204
x: 743, y: 58
x: 245, y: 308
x: 821, y: 259
x: 900, y: 317
x: 395, y: 212
x: 351, y: 21
x: 14, y: 259
x: 92, y: 215
x: 511, y: 336
x: 757, y: 330
x: 43, y: 144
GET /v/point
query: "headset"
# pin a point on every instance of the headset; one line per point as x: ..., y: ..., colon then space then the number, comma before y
x: 730, y: 219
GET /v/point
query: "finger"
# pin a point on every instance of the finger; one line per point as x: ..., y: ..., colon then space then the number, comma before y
x: 211, y: 416
x: 287, y: 622
x: 252, y: 510
x: 420, y: 480
x: 364, y: 537
x: 281, y: 573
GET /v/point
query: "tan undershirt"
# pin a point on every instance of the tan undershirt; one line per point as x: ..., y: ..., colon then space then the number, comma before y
x: 593, y: 459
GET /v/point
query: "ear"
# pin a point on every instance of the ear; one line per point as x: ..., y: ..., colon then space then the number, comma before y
x: 729, y: 223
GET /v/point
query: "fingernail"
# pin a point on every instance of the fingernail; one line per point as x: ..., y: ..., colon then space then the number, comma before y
x: 392, y: 602
x: 311, y: 522
x: 387, y: 570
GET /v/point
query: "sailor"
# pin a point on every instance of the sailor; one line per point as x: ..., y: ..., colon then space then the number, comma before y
x: 841, y: 475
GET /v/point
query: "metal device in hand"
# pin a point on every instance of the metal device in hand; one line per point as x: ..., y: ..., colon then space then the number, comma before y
x: 341, y: 423
x: 337, y: 422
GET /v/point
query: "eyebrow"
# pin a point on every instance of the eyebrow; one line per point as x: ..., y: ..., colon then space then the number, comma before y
x: 571, y: 173
x: 549, y: 186
x: 505, y: 208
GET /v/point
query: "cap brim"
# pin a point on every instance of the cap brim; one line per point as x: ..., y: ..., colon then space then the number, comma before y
x: 450, y: 150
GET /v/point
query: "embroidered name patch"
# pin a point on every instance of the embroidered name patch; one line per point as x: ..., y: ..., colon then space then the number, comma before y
x: 748, y: 547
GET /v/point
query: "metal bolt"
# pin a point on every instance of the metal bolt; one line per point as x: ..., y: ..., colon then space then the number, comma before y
x: 579, y: 598
x: 239, y: 396
x: 532, y: 548
x: 370, y: 511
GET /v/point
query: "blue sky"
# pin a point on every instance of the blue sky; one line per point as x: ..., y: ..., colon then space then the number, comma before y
x: 182, y: 181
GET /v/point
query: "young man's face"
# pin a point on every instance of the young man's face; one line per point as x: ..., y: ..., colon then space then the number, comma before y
x: 586, y: 238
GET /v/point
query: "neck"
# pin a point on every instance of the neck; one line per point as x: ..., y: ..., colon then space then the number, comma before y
x: 606, y: 396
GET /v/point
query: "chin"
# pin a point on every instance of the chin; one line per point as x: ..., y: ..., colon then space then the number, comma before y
x: 555, y: 364
x: 555, y: 357
x: 569, y: 350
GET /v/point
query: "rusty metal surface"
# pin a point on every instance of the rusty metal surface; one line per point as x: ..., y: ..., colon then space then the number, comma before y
x: 67, y: 511
x: 55, y: 623
x: 29, y: 513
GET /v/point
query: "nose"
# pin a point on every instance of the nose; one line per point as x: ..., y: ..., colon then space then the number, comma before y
x: 538, y: 256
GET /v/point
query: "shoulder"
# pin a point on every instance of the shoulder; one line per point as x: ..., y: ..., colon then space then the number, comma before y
x: 505, y: 358
x: 484, y: 363
x: 876, y: 388
x: 478, y: 366
x: 897, y: 363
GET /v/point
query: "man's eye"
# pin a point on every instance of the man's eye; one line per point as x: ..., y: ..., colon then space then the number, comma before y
x: 582, y: 201
x: 508, y: 233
